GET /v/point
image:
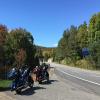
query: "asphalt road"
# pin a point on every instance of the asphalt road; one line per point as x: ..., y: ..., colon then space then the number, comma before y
x: 66, y: 83
x: 84, y: 78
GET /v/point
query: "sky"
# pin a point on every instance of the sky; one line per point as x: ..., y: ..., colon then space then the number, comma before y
x: 46, y: 19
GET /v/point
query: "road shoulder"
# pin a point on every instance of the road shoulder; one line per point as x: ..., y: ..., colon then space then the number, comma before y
x: 4, y: 96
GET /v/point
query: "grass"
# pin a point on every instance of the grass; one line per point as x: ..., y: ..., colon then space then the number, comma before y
x: 4, y: 84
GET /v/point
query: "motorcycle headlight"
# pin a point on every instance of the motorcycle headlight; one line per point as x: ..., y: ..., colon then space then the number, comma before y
x: 12, y: 74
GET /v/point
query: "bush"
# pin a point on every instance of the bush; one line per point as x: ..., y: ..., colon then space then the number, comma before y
x: 68, y: 61
x: 85, y: 63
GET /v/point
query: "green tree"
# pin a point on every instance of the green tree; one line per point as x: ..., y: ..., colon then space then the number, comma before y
x: 94, y: 28
x: 3, y: 34
x: 82, y: 35
x: 94, y: 43
x: 20, y: 39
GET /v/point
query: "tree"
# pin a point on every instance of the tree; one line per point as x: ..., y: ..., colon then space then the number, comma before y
x: 20, y: 57
x: 95, y: 53
x: 17, y: 40
x: 67, y: 44
x: 63, y: 45
x: 3, y: 34
x: 94, y: 33
x: 94, y: 27
x: 82, y: 35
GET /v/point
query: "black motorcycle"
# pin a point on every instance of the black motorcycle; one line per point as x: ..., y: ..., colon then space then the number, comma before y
x: 42, y: 74
x: 43, y: 77
x: 21, y: 78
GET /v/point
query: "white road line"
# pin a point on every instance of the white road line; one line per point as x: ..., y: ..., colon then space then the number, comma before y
x: 79, y: 77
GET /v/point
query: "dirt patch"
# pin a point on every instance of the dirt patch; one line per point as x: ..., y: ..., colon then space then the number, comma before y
x: 4, y: 96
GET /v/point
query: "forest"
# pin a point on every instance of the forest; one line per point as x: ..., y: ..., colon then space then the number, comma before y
x: 17, y: 48
x: 75, y: 40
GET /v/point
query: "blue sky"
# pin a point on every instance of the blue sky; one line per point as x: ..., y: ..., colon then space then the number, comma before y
x: 46, y: 19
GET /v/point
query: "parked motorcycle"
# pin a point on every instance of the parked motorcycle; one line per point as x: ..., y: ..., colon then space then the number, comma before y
x: 43, y: 77
x: 41, y: 74
x: 21, y: 78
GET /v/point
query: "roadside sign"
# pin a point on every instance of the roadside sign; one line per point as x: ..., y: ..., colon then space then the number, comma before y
x: 85, y: 52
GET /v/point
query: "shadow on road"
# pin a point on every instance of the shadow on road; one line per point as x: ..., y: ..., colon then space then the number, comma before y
x: 2, y: 89
x: 48, y: 83
x: 31, y: 91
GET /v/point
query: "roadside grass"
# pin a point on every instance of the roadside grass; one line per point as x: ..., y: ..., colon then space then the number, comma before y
x: 4, y: 85
x: 85, y: 63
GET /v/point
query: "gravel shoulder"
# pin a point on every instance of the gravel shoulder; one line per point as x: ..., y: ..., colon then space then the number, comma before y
x: 4, y: 96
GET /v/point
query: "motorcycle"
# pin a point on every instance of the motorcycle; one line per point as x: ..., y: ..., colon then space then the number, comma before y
x: 21, y: 78
x: 41, y: 74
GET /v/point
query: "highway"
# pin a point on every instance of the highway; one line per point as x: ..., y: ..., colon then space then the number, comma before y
x: 84, y: 78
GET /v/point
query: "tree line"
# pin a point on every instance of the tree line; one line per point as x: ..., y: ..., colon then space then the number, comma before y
x: 45, y: 52
x: 17, y: 48
x: 74, y: 39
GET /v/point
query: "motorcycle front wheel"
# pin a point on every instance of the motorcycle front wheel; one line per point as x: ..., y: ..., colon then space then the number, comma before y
x: 18, y: 91
x: 31, y: 84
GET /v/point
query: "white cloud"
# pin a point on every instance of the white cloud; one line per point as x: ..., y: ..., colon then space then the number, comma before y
x: 55, y: 45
